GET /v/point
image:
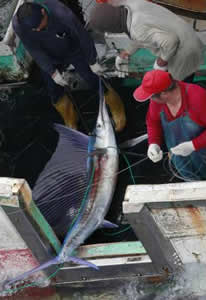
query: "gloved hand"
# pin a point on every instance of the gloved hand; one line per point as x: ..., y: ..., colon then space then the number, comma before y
x: 122, y: 67
x: 157, y: 67
x: 183, y: 149
x: 57, y: 77
x: 154, y: 153
x: 97, y: 69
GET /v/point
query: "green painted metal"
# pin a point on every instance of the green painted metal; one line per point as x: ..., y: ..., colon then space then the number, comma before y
x: 124, y: 248
x: 44, y: 226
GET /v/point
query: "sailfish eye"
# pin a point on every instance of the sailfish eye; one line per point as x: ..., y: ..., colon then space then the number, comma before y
x: 99, y: 126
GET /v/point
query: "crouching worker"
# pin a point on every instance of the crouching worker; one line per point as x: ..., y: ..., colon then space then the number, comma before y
x: 55, y: 38
x: 176, y: 114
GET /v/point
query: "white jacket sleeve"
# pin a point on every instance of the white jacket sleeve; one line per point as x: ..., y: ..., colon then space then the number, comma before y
x: 166, y: 43
x: 132, y: 47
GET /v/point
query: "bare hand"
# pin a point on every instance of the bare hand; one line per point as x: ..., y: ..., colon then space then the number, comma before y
x: 161, y: 62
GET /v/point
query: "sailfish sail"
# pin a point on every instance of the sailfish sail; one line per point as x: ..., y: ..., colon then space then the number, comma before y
x: 61, y: 186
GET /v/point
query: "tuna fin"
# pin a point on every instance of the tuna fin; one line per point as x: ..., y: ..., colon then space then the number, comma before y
x: 53, y: 261
x: 108, y: 224
x: 80, y: 261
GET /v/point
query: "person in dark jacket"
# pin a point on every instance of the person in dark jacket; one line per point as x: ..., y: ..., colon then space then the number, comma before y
x: 55, y: 38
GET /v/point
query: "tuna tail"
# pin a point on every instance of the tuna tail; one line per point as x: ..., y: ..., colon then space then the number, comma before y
x: 54, y: 261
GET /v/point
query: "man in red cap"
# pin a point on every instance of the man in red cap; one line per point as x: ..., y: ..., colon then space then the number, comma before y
x: 177, y: 114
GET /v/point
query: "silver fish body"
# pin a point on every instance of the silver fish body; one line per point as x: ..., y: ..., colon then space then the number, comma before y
x: 103, y: 161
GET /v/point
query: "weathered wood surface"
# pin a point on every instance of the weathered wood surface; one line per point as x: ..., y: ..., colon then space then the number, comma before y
x: 107, y: 250
x: 193, y: 5
x: 138, y: 195
x: 15, y: 192
x: 179, y: 212
x: 192, y: 8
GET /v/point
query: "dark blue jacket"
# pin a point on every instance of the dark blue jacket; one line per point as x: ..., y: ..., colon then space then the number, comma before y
x: 46, y: 48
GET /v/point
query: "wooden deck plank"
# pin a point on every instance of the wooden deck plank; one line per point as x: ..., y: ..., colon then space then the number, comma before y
x: 111, y: 250
x: 192, y: 5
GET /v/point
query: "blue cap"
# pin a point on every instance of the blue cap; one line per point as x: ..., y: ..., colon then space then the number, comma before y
x: 34, y: 20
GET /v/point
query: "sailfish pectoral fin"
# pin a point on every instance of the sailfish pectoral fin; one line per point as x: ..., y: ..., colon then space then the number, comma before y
x: 108, y: 224
x: 80, y: 261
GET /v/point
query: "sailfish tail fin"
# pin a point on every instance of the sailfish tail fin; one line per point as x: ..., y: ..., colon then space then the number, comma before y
x: 54, y: 261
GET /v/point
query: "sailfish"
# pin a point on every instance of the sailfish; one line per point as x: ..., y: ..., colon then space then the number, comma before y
x: 76, y: 187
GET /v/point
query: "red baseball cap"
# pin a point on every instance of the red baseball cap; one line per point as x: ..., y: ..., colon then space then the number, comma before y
x: 154, y: 82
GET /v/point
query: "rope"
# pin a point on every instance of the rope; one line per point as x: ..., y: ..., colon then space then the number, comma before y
x: 133, y: 181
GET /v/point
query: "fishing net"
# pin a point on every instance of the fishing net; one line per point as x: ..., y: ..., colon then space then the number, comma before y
x: 7, y: 8
x: 61, y: 186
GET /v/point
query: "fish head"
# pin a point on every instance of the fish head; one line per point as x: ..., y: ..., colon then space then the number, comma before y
x: 103, y: 131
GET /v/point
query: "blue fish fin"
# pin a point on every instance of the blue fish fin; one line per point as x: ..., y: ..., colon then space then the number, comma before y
x: 80, y: 261
x: 53, y: 261
x: 108, y: 224
x: 62, y: 184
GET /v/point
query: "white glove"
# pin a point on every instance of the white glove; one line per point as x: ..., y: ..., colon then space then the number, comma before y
x: 183, y: 149
x: 97, y: 69
x: 57, y: 77
x: 154, y: 153
x: 122, y: 67
x: 157, y: 67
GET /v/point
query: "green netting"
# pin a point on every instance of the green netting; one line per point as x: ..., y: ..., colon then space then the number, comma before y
x: 6, y: 62
x: 10, y: 64
x: 142, y: 61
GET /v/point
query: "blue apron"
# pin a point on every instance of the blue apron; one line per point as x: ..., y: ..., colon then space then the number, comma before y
x: 181, y: 130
